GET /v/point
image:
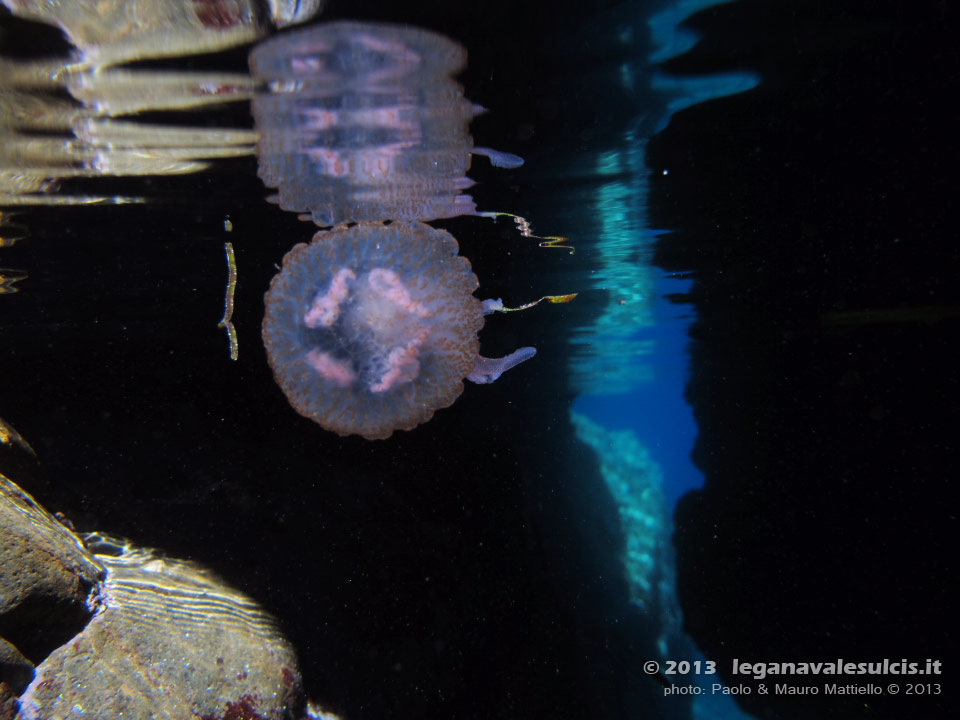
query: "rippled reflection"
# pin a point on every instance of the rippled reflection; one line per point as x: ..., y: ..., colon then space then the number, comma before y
x: 59, y: 117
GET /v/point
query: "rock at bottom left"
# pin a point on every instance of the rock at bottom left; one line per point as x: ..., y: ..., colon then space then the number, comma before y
x: 93, y: 627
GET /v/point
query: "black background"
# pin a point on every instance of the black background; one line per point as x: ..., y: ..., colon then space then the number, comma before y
x: 467, y: 569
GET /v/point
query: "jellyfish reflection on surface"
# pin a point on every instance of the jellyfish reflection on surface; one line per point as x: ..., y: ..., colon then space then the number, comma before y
x: 363, y: 121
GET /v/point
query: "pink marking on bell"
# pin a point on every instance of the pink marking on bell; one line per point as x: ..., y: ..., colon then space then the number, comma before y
x: 386, y: 284
x: 307, y: 64
x: 404, y: 367
x: 400, y: 117
x: 326, y: 308
x: 319, y: 119
x: 330, y: 368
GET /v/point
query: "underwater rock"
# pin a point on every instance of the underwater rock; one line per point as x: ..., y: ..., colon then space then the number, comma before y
x: 46, y: 577
x: 168, y: 639
x: 635, y: 482
x: 15, y: 674
x: 163, y: 637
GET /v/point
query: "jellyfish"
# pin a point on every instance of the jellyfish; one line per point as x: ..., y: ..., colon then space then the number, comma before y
x: 363, y: 121
x: 371, y: 328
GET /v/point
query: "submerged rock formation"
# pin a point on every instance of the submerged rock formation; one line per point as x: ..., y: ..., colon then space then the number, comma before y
x: 98, y: 624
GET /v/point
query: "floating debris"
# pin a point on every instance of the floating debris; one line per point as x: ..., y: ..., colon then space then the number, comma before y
x: 526, y: 230
x: 228, y: 302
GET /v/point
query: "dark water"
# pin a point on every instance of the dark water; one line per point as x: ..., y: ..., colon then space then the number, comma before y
x: 789, y: 343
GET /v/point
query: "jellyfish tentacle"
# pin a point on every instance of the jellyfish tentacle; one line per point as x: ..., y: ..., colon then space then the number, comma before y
x: 498, y: 158
x: 486, y: 370
x: 491, y: 306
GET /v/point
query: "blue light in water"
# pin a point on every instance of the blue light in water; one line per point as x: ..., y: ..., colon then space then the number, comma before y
x: 670, y: 39
x: 655, y: 409
x: 631, y: 363
x: 689, y: 91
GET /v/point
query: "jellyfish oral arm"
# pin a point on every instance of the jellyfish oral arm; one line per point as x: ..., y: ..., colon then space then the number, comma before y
x: 486, y: 370
x: 498, y: 158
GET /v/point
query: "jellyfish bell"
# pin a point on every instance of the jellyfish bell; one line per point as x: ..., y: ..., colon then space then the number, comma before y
x: 371, y: 328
